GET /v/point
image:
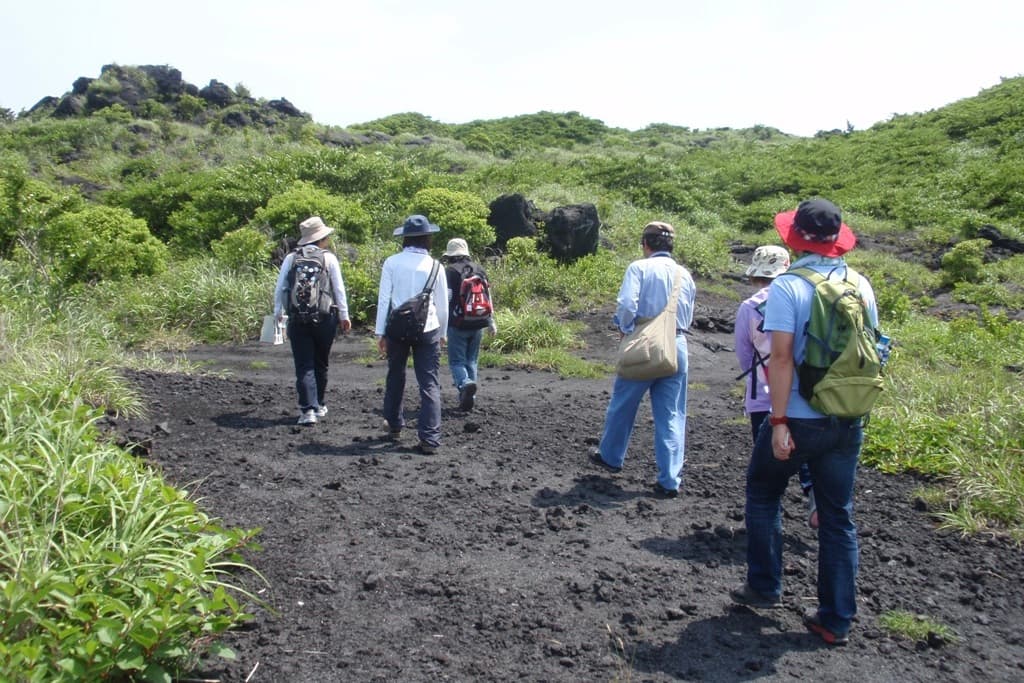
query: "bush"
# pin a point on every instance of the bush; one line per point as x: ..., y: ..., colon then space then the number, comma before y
x: 286, y: 210
x: 964, y: 262
x: 459, y: 214
x: 101, y: 243
x: 243, y: 249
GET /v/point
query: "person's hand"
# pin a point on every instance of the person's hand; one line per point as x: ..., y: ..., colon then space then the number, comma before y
x: 493, y: 329
x: 382, y: 347
x: 279, y: 318
x: 444, y: 343
x: 344, y: 326
x: 782, y: 442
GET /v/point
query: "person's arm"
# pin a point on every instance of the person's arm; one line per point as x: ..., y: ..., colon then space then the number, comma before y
x: 628, y: 299
x: 281, y: 289
x: 338, y: 292
x: 780, y: 379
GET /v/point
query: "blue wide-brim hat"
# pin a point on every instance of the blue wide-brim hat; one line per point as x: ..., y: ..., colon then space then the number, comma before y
x: 416, y: 225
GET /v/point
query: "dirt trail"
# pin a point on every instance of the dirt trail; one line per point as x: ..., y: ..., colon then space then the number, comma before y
x: 506, y: 556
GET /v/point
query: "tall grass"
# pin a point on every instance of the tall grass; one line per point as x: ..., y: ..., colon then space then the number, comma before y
x: 104, y: 569
x: 953, y: 409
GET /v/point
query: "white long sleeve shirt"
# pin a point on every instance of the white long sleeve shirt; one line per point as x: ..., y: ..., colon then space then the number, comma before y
x: 403, y: 277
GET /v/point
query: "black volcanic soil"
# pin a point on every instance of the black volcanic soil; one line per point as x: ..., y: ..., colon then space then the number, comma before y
x: 506, y: 556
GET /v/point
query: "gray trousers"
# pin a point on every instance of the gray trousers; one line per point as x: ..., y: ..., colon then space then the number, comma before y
x: 426, y: 363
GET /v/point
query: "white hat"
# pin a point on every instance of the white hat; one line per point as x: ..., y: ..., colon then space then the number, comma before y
x: 313, y: 230
x: 768, y: 262
x: 457, y: 247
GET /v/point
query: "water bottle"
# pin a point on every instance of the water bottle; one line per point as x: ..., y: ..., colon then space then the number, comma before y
x: 883, y: 346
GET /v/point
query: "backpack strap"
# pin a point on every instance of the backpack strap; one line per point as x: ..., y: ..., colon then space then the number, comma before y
x: 433, y: 277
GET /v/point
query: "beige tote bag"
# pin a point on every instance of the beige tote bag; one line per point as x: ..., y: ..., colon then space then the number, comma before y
x: 649, y: 351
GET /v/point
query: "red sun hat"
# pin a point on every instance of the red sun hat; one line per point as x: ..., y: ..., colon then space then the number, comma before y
x: 815, y: 226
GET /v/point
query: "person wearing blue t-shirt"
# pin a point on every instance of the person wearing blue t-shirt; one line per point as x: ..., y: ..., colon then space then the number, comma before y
x: 799, y: 434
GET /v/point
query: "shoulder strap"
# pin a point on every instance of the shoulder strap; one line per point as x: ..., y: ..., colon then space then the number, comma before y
x: 676, y: 286
x: 430, y: 280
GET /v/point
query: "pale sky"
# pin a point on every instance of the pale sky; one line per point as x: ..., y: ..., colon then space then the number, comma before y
x: 797, y: 65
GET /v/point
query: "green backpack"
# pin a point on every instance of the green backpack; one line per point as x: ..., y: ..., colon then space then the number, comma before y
x: 841, y: 373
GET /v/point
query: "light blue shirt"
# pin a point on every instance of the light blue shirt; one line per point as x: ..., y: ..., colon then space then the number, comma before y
x: 403, y: 277
x: 646, y: 288
x: 789, y: 310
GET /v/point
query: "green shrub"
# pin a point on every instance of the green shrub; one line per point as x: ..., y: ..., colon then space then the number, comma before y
x: 964, y: 262
x: 243, y: 249
x: 286, y: 210
x: 459, y: 214
x: 100, y: 243
x: 27, y: 205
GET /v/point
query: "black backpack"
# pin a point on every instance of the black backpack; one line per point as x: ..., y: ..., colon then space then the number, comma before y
x: 406, y: 322
x: 309, y: 286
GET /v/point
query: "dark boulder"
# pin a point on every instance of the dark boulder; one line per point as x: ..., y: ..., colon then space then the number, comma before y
x: 572, y: 232
x: 81, y: 85
x: 70, y: 105
x: 168, y: 81
x: 1000, y: 241
x: 283, y: 106
x: 47, y: 103
x: 218, y: 94
x: 338, y: 137
x: 513, y: 215
x: 236, y: 119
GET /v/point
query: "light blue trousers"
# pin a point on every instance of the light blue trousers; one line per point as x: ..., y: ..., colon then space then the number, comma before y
x: 668, y: 406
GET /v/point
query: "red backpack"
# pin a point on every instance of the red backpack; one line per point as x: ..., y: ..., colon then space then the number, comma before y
x: 473, y: 309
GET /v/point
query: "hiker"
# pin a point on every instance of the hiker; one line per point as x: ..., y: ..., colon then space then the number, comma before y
x: 753, y: 348
x: 469, y: 313
x: 311, y: 334
x: 403, y: 276
x: 646, y: 288
x: 798, y: 433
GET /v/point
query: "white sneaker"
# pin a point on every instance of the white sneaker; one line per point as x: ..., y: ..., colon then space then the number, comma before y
x: 321, y: 411
x: 308, y: 417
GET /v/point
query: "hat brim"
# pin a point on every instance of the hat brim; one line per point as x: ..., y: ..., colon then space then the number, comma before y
x: 400, y: 231
x: 769, y: 273
x: 785, y: 225
x: 316, y: 236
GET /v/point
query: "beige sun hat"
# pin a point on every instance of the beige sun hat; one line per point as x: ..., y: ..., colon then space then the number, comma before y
x: 457, y: 247
x: 313, y: 230
x: 768, y: 262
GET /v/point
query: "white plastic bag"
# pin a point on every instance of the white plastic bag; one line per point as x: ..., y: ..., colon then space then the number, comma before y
x: 272, y: 333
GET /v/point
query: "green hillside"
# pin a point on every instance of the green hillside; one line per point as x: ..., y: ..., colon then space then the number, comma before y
x: 139, y: 215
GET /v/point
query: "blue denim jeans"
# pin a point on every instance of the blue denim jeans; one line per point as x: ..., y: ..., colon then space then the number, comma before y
x: 426, y: 363
x: 668, y: 406
x: 830, y: 447
x: 311, y: 350
x: 463, y: 351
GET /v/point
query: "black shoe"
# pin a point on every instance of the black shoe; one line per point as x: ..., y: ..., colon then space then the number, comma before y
x: 466, y: 396
x: 426, y: 449
x: 813, y: 623
x: 745, y: 595
x: 595, y: 457
x: 662, y: 492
